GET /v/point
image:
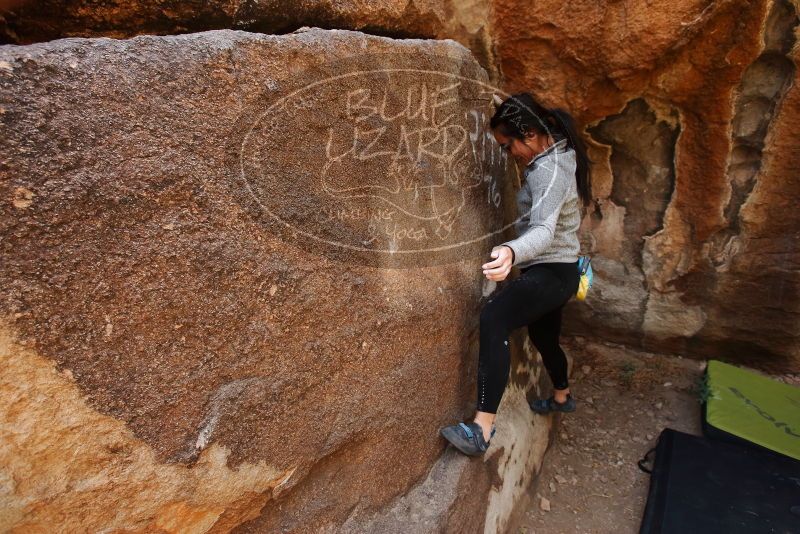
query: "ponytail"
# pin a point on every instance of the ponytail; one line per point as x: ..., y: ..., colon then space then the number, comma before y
x: 566, y: 126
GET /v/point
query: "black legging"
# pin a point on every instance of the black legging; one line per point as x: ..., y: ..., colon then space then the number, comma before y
x: 536, y: 299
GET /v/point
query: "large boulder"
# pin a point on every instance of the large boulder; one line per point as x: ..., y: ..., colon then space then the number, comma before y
x: 241, y: 286
x: 690, y: 109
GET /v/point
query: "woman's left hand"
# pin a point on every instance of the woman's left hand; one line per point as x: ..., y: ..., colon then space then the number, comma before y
x: 498, y: 269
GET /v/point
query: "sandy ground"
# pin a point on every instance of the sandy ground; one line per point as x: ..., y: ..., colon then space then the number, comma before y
x: 590, y: 481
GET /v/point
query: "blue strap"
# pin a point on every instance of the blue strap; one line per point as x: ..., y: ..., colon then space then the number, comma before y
x: 583, y: 263
x: 467, y: 430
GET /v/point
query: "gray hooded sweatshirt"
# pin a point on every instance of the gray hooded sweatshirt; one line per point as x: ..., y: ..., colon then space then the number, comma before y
x: 549, y: 209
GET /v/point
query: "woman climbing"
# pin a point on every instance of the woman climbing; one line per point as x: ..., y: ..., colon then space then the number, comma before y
x: 556, y: 174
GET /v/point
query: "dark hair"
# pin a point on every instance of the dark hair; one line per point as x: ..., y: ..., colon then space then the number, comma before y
x: 519, y: 115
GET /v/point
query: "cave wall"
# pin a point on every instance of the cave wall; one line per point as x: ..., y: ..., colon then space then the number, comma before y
x: 687, y: 110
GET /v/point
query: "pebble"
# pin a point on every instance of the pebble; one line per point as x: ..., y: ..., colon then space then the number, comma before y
x: 649, y: 436
x: 667, y: 384
x: 659, y: 405
x: 552, y: 488
x: 589, y: 400
x: 560, y: 479
x: 586, y: 369
x: 544, y: 505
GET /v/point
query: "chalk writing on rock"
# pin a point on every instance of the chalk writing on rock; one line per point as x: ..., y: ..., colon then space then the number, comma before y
x: 387, y: 161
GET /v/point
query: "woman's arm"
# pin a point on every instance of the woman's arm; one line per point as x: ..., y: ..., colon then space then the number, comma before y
x: 549, y: 184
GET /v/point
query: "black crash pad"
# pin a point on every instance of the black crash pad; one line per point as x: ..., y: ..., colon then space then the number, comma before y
x: 713, y: 487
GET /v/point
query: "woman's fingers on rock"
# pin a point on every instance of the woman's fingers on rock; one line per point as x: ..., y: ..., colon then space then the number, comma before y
x: 497, y: 276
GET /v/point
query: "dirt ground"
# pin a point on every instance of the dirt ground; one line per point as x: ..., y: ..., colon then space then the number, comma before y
x: 590, y: 481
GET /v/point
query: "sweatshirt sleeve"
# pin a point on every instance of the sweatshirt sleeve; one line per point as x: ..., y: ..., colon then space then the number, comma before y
x: 549, y: 188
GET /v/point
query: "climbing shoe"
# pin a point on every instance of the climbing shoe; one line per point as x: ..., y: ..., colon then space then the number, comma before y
x: 545, y: 406
x: 468, y: 438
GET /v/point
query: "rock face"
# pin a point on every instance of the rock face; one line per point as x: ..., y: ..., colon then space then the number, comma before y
x: 689, y: 110
x: 241, y: 272
x: 25, y: 22
x: 215, y: 316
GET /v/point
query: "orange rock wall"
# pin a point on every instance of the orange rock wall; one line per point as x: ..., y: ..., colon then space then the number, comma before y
x: 688, y: 108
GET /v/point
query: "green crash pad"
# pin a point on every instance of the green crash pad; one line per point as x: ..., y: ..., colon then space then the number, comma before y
x: 745, y: 405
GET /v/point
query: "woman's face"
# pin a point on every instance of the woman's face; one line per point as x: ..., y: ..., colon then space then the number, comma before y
x: 522, y: 150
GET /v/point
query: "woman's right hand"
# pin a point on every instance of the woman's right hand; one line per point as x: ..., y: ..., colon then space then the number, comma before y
x: 498, y: 269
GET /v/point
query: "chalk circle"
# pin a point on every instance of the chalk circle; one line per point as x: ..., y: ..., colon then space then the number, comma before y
x: 392, y: 167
